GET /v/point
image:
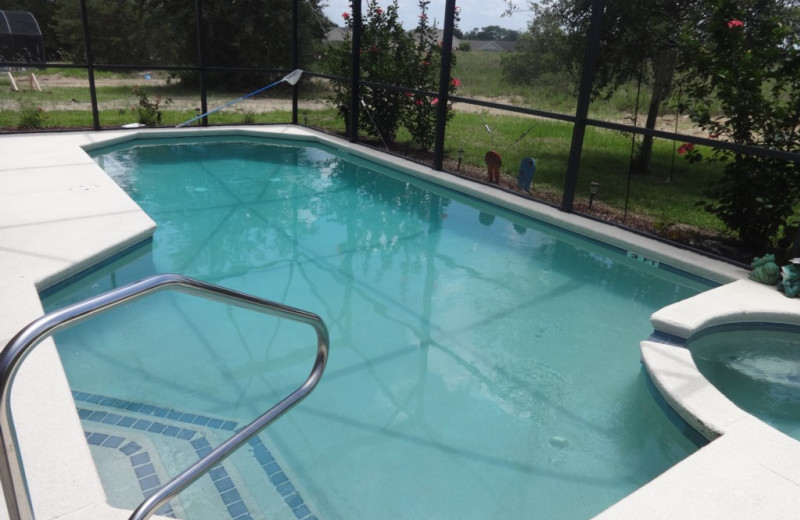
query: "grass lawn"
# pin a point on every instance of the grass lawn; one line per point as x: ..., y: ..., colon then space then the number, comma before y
x: 669, y: 194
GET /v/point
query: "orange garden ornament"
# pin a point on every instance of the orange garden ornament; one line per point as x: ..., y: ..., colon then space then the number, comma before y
x: 493, y: 163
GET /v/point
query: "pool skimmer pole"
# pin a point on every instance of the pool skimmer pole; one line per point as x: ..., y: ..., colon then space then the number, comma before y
x: 292, y: 78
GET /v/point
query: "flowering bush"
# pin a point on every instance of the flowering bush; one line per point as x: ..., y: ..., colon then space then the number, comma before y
x: 389, y: 55
x: 745, y: 54
x: 420, y: 118
x: 385, y: 47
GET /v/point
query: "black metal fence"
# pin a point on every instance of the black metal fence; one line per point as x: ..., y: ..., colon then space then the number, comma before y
x: 580, y: 120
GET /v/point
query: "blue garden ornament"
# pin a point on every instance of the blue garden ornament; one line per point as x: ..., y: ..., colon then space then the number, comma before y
x: 526, y: 170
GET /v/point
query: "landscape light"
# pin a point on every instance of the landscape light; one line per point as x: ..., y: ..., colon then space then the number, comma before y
x: 593, y: 188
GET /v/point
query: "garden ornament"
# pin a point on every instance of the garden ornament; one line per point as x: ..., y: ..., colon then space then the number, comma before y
x: 493, y: 163
x: 790, y: 275
x: 526, y: 170
x: 765, y: 270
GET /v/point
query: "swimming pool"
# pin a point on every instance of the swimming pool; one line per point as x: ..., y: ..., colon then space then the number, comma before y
x: 486, y: 352
x: 756, y: 366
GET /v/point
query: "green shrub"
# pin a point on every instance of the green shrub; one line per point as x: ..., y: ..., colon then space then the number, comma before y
x: 392, y: 56
x: 31, y: 117
x: 149, y: 111
x: 744, y: 55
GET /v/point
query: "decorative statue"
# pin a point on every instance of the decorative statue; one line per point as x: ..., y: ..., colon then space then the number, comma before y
x: 493, y: 163
x: 791, y: 278
x: 765, y: 270
x: 526, y: 170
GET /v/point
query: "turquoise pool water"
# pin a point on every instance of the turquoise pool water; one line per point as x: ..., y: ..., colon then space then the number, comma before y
x: 483, y: 364
x: 757, y: 366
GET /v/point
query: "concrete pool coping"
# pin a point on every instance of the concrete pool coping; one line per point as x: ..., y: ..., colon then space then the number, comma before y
x: 60, y: 213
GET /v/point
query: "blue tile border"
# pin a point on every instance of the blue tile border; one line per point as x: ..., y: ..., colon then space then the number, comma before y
x: 149, y: 482
x: 140, y: 462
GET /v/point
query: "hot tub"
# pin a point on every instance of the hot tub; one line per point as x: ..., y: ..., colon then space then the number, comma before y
x: 757, y: 366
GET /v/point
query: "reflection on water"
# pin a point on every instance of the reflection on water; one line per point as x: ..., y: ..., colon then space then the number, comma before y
x: 482, y: 364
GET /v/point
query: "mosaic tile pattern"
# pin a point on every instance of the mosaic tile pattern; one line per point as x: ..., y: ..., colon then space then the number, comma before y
x: 140, y: 461
x: 178, y: 425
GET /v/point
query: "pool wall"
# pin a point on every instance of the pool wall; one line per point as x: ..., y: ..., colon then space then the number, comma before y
x: 60, y: 213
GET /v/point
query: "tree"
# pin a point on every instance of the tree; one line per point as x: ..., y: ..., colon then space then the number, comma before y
x: 255, y: 33
x: 541, y: 52
x: 636, y: 43
x: 246, y: 34
x: 491, y: 33
x: 744, y: 55
x: 122, y: 32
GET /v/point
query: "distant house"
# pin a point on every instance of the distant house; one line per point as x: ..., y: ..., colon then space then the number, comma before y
x: 440, y: 39
x: 491, y: 46
x: 336, y: 35
x: 439, y: 35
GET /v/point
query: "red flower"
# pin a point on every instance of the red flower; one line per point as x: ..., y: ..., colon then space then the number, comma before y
x: 346, y: 16
x: 713, y: 135
x: 423, y: 17
x: 455, y: 82
x: 685, y: 147
x: 419, y: 102
x: 735, y: 23
x: 426, y: 63
x: 379, y: 10
x: 434, y: 100
x: 409, y: 94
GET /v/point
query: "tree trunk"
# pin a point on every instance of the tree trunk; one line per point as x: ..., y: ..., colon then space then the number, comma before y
x: 665, y: 67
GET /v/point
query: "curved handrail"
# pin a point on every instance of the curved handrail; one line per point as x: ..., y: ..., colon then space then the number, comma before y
x: 11, y: 471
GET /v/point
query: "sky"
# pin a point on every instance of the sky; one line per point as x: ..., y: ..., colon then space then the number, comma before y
x: 474, y: 13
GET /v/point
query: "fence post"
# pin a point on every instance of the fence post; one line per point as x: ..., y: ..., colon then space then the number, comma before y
x: 90, y: 65
x: 444, y: 84
x: 355, y: 95
x: 295, y: 58
x: 201, y: 58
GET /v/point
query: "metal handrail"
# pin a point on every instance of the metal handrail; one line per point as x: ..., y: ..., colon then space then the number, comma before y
x: 11, y: 472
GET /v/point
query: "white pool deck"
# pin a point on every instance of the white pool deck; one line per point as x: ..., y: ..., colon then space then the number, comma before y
x: 60, y: 213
